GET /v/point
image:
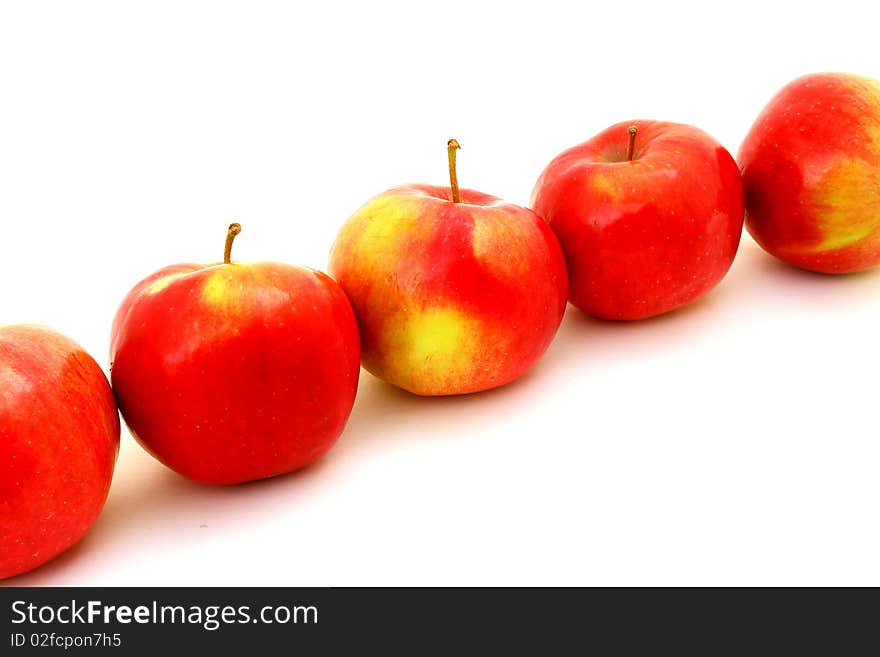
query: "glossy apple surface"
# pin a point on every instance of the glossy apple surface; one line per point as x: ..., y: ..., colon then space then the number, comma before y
x: 233, y: 372
x: 450, y: 297
x: 811, y: 173
x: 645, y: 235
x: 59, y: 437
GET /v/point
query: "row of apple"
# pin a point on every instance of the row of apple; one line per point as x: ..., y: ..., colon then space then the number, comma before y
x: 234, y: 372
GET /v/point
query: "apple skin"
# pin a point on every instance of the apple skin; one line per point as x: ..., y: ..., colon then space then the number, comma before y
x: 646, y: 236
x: 811, y: 174
x: 451, y: 298
x: 234, y: 372
x: 59, y: 438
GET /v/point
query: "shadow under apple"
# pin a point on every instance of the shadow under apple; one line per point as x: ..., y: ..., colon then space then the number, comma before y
x: 148, y: 503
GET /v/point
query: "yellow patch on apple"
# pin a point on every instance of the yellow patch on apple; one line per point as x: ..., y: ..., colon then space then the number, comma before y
x: 218, y: 288
x: 848, y: 202
x: 380, y: 230
x: 605, y: 186
x: 430, y: 348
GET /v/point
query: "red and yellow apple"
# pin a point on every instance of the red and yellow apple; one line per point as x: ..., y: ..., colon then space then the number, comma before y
x: 811, y: 174
x: 233, y: 372
x: 59, y: 437
x: 455, y: 291
x: 649, y: 215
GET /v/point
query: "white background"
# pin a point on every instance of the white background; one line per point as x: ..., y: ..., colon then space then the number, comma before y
x: 733, y: 442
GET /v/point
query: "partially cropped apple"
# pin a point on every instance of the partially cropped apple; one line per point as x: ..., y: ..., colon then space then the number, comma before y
x: 649, y: 215
x: 811, y: 173
x: 233, y: 372
x: 59, y: 437
x: 455, y: 291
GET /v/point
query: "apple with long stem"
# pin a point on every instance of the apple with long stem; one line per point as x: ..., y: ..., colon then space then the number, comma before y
x: 811, y: 174
x: 232, y: 372
x: 59, y: 438
x: 649, y: 215
x: 455, y: 291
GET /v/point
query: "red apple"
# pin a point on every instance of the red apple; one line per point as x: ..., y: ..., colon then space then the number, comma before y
x: 233, y: 372
x: 59, y: 437
x: 649, y: 215
x: 455, y: 291
x: 811, y: 174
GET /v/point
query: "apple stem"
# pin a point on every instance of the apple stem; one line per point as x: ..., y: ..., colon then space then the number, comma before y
x: 234, y: 229
x: 631, y: 145
x: 452, y: 146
